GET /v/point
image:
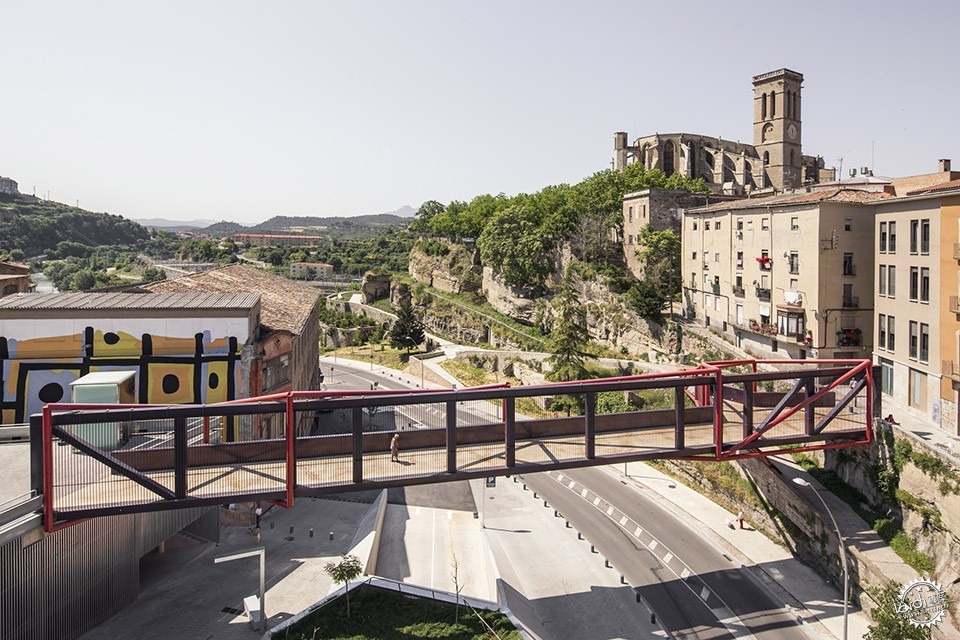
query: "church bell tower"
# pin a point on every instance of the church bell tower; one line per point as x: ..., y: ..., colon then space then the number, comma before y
x: 776, y: 127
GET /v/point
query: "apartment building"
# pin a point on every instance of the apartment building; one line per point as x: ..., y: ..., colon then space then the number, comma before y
x: 786, y: 276
x: 310, y: 270
x: 917, y: 315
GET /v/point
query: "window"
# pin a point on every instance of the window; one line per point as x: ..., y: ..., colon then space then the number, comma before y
x: 794, y: 224
x: 773, y: 104
x: 717, y: 225
x: 882, y: 288
x: 630, y: 214
x: 848, y: 224
x: 644, y: 208
x: 693, y: 281
x: 707, y: 301
x: 892, y: 245
x: 892, y: 281
x: 693, y: 256
x: 739, y: 259
x: 914, y: 339
x: 848, y: 268
x: 739, y: 224
x: 706, y: 278
x: 794, y: 263
x: 925, y: 284
x: 276, y: 372
x: 924, y: 342
x: 925, y: 236
x: 694, y: 225
x: 914, y: 235
x: 891, y: 338
x: 914, y: 283
x: 883, y: 237
x: 918, y: 384
x: 794, y: 283
x: 882, y: 331
x: 630, y: 239
x: 763, y: 107
x: 764, y: 224
x: 749, y: 225
x: 716, y: 257
x: 886, y: 376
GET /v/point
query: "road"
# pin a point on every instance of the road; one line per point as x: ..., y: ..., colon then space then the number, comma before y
x: 696, y: 591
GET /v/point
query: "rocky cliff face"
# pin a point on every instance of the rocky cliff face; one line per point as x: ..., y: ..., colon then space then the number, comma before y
x: 456, y: 272
x: 517, y: 302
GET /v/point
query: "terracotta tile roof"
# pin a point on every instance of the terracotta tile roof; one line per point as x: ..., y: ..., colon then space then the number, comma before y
x: 284, y: 304
x: 913, y: 184
x: 15, y: 265
x: 943, y: 186
x: 786, y: 199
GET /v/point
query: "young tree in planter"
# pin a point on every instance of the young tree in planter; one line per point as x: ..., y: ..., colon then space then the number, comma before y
x: 343, y: 572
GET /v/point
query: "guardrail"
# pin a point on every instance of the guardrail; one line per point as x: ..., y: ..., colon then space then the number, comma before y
x: 467, y: 433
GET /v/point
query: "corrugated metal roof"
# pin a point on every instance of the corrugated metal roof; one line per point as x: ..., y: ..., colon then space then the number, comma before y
x: 146, y: 301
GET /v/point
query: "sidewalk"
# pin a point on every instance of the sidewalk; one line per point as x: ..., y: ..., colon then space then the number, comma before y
x: 808, y: 595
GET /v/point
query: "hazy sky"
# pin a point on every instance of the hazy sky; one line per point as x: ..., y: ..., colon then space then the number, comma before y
x: 245, y: 110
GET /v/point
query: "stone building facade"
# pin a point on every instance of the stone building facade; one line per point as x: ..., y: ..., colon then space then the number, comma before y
x: 15, y: 278
x: 8, y: 186
x: 773, y: 162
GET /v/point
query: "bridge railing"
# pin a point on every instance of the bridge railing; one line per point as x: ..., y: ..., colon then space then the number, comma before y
x: 109, y: 459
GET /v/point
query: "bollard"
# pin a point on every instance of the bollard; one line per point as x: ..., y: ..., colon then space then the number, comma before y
x: 623, y: 580
x: 331, y: 535
x: 535, y: 495
x: 311, y: 533
x: 271, y: 525
x: 291, y: 529
x: 593, y: 549
x: 606, y: 563
x: 515, y: 479
x: 556, y: 514
x: 568, y: 524
x: 525, y: 486
x: 545, y: 503
x: 653, y: 618
x: 579, y: 536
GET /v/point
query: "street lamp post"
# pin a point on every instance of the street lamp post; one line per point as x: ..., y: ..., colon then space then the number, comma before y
x: 256, y: 552
x: 843, y: 550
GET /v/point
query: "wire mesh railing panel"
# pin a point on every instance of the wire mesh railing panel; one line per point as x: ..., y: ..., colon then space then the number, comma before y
x: 414, y: 446
x: 82, y: 473
x: 257, y: 465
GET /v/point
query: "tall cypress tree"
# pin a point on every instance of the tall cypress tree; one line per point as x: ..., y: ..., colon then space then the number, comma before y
x: 407, y: 331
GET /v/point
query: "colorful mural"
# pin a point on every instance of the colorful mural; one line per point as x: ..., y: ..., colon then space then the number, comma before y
x: 36, y: 371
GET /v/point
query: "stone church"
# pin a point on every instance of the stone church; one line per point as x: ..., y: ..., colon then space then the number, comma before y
x: 774, y: 162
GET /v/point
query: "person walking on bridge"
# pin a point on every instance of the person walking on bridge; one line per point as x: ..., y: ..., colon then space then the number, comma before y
x: 395, y: 448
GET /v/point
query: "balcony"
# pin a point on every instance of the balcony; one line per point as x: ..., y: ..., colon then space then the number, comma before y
x: 739, y: 291
x: 763, y: 294
x: 763, y: 328
x: 850, y: 302
x: 951, y: 370
x: 850, y: 338
x: 793, y: 268
x: 954, y: 304
x: 849, y: 269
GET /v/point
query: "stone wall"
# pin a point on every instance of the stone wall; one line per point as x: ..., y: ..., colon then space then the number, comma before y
x: 517, y: 302
x: 456, y: 272
x: 375, y: 287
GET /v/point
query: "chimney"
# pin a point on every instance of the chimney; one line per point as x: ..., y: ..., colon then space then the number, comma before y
x: 944, y: 164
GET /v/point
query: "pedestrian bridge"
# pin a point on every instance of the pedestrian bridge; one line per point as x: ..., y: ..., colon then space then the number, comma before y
x: 95, y: 460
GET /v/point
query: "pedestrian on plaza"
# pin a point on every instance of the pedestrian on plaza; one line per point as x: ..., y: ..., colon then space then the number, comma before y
x: 395, y: 448
x: 740, y: 518
x: 258, y: 512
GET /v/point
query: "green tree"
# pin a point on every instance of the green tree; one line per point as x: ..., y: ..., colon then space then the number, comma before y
x: 569, y: 334
x: 349, y: 568
x: 514, y: 243
x: 425, y: 215
x: 887, y: 623
x: 407, y: 331
x: 659, y: 257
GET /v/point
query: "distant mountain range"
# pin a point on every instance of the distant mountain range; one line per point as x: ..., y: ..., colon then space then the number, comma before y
x: 281, y: 222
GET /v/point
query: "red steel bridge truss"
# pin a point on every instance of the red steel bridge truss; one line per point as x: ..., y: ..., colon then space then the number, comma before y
x: 96, y: 460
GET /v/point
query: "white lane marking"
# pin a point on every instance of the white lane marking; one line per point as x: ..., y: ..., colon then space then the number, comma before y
x: 572, y: 484
x: 609, y: 511
x: 637, y: 532
x: 653, y: 545
x: 623, y: 521
x: 596, y: 501
x: 667, y: 558
x: 704, y: 594
x: 584, y: 493
x: 685, y: 574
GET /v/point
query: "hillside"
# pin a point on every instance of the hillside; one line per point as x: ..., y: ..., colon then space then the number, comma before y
x: 36, y: 226
x: 224, y: 228
x: 279, y: 223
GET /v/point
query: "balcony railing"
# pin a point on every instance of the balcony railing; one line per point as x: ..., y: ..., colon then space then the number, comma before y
x: 763, y: 294
x: 954, y: 304
x: 849, y: 269
x: 715, y: 287
x: 739, y: 291
x: 951, y: 369
x: 793, y: 268
x: 851, y: 302
x: 850, y: 338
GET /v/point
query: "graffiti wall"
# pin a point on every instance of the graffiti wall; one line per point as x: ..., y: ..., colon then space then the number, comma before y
x: 199, y: 368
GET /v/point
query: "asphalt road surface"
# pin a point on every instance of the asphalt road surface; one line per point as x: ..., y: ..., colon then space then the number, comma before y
x: 696, y: 591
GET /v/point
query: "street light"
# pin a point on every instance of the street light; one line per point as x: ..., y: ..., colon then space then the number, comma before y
x: 843, y: 550
x: 256, y: 552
